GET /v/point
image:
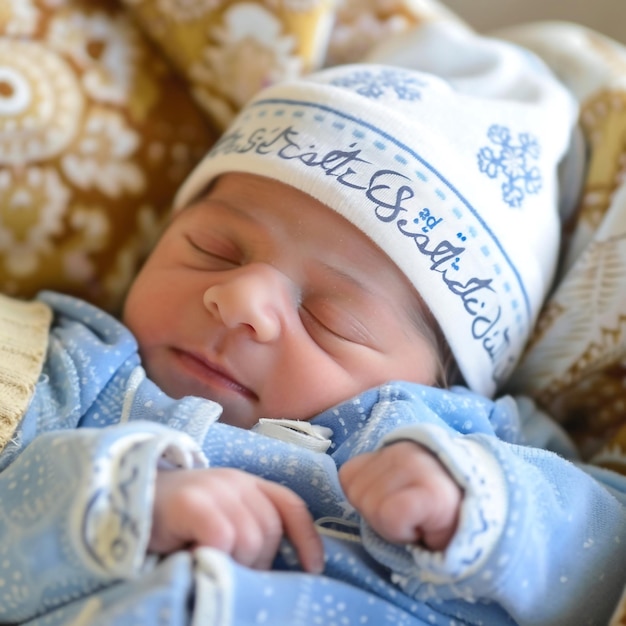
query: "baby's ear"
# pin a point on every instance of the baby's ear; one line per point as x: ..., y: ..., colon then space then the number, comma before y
x: 96, y: 134
x: 227, y: 51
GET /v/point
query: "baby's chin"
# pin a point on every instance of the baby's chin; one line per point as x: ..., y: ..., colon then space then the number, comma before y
x: 237, y: 419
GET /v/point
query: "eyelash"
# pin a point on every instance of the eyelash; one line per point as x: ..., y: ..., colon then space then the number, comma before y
x: 306, y: 313
x: 309, y: 318
x: 229, y: 260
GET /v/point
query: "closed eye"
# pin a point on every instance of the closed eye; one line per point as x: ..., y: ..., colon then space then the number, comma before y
x: 314, y: 325
x: 325, y: 323
x: 216, y: 251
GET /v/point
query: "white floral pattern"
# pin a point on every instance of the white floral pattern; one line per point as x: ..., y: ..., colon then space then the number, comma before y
x: 18, y: 17
x: 250, y: 52
x: 92, y: 230
x: 33, y: 203
x: 105, y: 49
x: 360, y: 25
x: 102, y: 157
x: 40, y: 103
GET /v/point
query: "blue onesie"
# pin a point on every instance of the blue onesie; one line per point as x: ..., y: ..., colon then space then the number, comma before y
x: 541, y: 540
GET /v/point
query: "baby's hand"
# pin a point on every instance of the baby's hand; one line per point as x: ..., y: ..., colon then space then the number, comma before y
x: 232, y: 511
x: 404, y: 493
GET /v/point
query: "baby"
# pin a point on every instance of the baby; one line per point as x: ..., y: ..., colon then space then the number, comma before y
x: 272, y: 328
x: 352, y: 240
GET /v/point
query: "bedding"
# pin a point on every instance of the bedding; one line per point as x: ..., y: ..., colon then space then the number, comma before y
x: 575, y: 363
x: 96, y: 134
x: 106, y: 106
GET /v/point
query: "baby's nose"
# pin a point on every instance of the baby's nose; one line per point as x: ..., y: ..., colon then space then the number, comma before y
x: 255, y: 296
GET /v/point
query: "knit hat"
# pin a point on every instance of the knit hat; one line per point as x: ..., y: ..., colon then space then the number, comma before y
x: 455, y: 180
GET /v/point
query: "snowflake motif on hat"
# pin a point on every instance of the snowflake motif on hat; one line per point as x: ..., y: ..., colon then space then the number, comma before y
x: 376, y: 84
x: 511, y: 162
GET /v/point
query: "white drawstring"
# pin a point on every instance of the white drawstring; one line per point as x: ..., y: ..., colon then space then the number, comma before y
x: 303, y: 434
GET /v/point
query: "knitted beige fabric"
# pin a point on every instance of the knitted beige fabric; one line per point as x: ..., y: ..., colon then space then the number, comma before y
x: 24, y: 330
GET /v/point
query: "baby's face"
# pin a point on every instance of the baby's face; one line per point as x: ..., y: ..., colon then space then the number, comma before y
x: 263, y: 299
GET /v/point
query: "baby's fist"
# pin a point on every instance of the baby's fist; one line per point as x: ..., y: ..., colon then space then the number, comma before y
x: 404, y: 493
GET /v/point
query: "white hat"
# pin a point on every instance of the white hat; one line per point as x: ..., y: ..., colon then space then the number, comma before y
x: 460, y: 189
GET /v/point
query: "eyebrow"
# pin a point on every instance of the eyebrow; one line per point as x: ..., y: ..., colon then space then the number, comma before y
x: 246, y: 219
x: 210, y: 202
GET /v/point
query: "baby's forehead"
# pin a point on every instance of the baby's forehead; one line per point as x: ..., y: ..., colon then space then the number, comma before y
x: 256, y: 198
x: 260, y: 206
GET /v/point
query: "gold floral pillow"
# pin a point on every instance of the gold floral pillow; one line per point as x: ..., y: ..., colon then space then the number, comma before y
x: 229, y: 49
x: 96, y: 134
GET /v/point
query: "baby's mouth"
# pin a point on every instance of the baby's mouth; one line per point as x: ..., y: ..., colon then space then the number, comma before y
x: 212, y: 374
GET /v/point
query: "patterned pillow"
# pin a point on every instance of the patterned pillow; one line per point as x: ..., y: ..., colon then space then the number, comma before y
x: 229, y: 49
x: 96, y: 134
